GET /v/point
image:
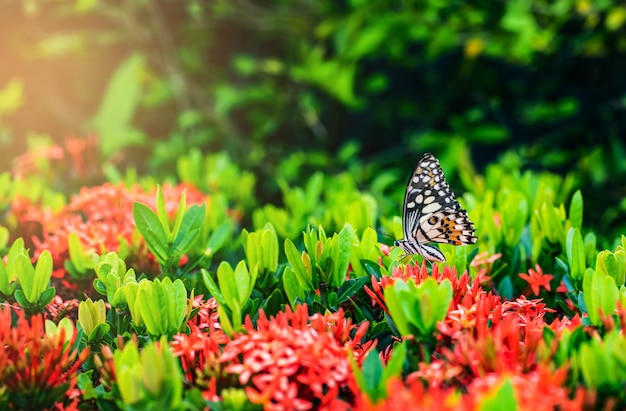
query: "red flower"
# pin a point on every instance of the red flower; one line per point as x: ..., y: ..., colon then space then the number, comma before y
x: 292, y: 361
x: 288, y: 362
x: 57, y: 309
x: 33, y: 364
x: 483, y: 262
x: 542, y: 389
x: 460, y: 284
x: 102, y: 218
x: 537, y: 279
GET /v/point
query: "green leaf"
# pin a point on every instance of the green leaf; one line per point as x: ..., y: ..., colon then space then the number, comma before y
x: 350, y: 288
x: 293, y: 288
x: 575, y: 250
x: 162, y: 213
x: 130, y: 295
x: 503, y: 399
x: 372, y: 375
x: 576, y: 210
x: 43, y: 273
x: 7, y: 285
x: 79, y: 260
x: 21, y: 299
x: 293, y: 256
x: 225, y: 322
x: 26, y: 277
x: 227, y: 286
x: 182, y: 208
x: 400, y: 301
x: 98, y: 333
x: 241, y: 278
x: 212, y: 287
x: 600, y: 294
x: 149, y: 303
x: 46, y: 296
x: 396, y: 363
x: 150, y: 228
x: 341, y: 255
x: 189, y: 229
x: 270, y: 248
x: 218, y: 238
x: 176, y: 302
x: 113, y: 121
x: 274, y: 303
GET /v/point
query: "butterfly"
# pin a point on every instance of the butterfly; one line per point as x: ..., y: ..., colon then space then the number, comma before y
x: 431, y: 213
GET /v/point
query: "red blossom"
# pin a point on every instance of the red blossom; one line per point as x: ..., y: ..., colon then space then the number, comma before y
x: 460, y: 284
x: 102, y: 218
x: 483, y: 262
x: 415, y: 397
x: 540, y: 390
x: 497, y: 338
x: 33, y: 363
x: 287, y: 362
x: 537, y: 279
x: 58, y: 308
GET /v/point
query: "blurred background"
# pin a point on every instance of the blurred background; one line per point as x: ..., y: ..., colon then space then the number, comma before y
x: 288, y: 87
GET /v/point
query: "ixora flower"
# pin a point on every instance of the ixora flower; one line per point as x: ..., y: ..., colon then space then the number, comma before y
x: 540, y: 390
x: 537, y: 279
x: 460, y: 284
x: 292, y: 361
x: 102, y: 218
x: 37, y: 369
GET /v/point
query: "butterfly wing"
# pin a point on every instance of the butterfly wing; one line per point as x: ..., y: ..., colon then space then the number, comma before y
x: 431, y: 212
x: 446, y: 226
x: 427, y: 192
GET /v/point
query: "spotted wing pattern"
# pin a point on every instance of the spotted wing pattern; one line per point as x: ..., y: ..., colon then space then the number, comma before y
x: 431, y: 213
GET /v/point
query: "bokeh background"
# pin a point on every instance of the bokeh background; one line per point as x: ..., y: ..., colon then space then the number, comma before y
x: 286, y: 88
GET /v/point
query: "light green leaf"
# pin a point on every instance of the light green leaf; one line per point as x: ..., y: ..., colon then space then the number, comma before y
x: 150, y: 228
x: 113, y: 121
x: 576, y: 210
x: 293, y: 256
x: 189, y: 229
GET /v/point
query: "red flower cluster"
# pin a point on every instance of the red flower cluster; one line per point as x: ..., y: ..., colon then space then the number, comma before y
x: 289, y: 362
x: 481, y: 342
x: 36, y: 367
x: 539, y: 390
x: 75, y: 159
x: 102, y: 218
x: 460, y: 284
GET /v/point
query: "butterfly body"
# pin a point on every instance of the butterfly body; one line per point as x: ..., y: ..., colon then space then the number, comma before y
x: 431, y: 213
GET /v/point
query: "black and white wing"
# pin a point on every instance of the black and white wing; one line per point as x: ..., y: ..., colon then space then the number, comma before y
x: 431, y: 213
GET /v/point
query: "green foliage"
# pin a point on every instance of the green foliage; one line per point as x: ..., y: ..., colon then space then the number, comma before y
x: 232, y: 291
x: 600, y: 293
x: 329, y: 202
x: 114, y: 116
x: 373, y: 377
x: 323, y: 265
x: 8, y: 270
x: 416, y: 309
x: 160, y: 306
x: 26, y: 284
x: 219, y: 175
x: 502, y: 399
x: 112, y: 278
x: 92, y: 320
x: 261, y: 248
x: 150, y: 379
x: 169, y: 244
x: 600, y: 363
